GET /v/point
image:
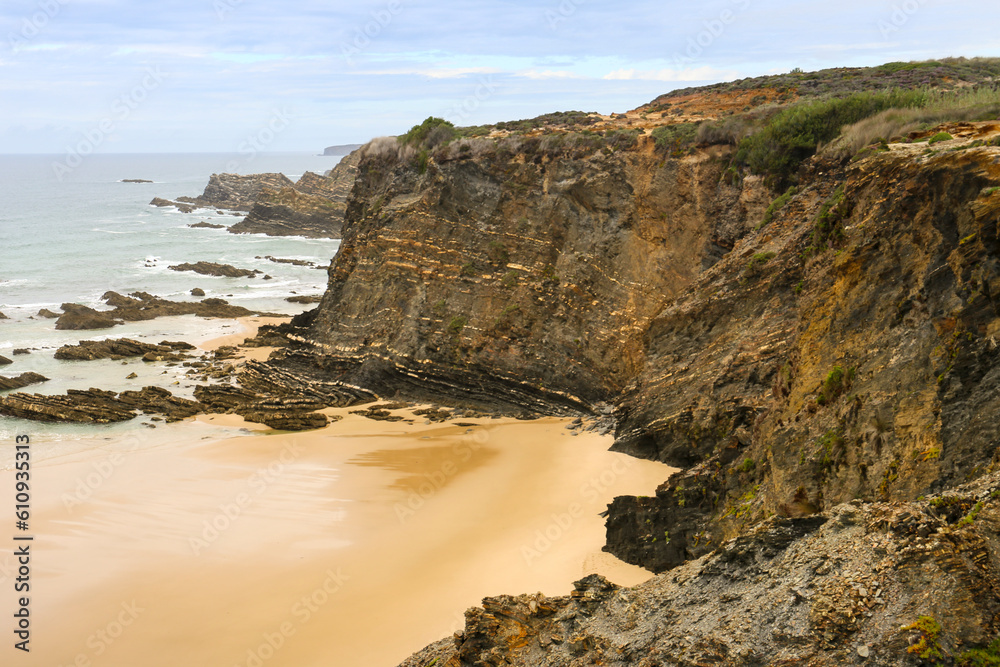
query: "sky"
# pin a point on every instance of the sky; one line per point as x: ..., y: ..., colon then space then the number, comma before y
x: 112, y: 76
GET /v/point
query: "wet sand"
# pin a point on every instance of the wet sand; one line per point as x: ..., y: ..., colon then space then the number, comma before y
x: 353, y: 545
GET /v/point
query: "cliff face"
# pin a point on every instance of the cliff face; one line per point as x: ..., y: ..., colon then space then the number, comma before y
x: 235, y: 192
x: 865, y: 584
x: 814, y: 370
x: 520, y: 276
x: 313, y: 207
x: 789, y: 379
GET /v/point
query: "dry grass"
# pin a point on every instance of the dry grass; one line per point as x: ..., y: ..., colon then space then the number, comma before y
x: 982, y: 104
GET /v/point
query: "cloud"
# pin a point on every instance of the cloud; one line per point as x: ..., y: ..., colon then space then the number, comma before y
x: 548, y: 74
x: 706, y: 73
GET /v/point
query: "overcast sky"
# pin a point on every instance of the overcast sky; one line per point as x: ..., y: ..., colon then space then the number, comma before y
x: 207, y: 75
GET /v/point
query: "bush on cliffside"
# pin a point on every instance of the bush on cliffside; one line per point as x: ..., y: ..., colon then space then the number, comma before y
x: 794, y: 135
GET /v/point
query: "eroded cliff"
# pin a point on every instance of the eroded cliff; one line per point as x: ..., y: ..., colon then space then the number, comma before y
x: 792, y: 353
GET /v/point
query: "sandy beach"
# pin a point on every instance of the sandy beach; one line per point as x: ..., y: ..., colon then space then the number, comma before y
x: 352, y: 545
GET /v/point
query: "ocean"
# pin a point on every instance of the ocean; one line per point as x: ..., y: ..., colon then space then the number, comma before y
x: 71, y: 237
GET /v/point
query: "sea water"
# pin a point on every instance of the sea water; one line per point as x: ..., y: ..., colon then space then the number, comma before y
x: 71, y: 237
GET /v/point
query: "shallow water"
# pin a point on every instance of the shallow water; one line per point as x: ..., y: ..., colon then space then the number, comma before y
x: 75, y: 238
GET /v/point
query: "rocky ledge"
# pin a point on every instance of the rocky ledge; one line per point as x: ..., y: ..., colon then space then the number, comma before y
x: 864, y: 583
x: 21, y: 381
x: 141, y: 306
x: 235, y: 192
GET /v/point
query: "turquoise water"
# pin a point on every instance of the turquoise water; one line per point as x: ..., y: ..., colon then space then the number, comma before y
x: 72, y: 237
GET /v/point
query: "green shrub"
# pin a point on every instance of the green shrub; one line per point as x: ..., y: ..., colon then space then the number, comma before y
x: 498, y: 253
x: 468, y: 270
x: 675, y: 138
x: 826, y: 228
x: 777, y: 205
x: 432, y: 132
x: 981, y: 657
x: 757, y: 262
x: 940, y: 136
x: 457, y: 324
x: 793, y: 135
x: 836, y: 383
x: 927, y: 647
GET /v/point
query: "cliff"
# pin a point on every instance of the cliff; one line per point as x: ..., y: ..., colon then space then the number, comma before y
x: 809, y: 334
x: 342, y: 149
x: 313, y: 207
x: 235, y: 192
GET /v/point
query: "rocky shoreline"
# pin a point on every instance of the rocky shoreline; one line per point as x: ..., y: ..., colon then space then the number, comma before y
x: 814, y: 344
x: 314, y: 207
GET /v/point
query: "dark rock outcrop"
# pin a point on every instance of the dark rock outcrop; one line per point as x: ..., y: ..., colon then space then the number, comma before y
x: 121, y: 348
x: 134, y: 180
x: 47, y: 314
x: 4, y: 361
x: 314, y: 207
x: 235, y: 192
x: 141, y: 306
x: 293, y: 262
x: 850, y: 586
x: 214, y: 269
x: 313, y: 298
x: 91, y: 406
x: 166, y: 203
x: 21, y: 381
x: 206, y: 225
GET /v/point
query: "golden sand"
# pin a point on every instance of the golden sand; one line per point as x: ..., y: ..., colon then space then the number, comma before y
x: 352, y: 545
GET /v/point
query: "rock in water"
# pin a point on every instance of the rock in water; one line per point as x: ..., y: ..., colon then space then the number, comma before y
x: 121, y: 348
x: 140, y: 306
x: 314, y: 207
x: 213, y: 269
x: 21, y: 381
x: 4, y: 361
x: 235, y: 192
x: 77, y: 317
